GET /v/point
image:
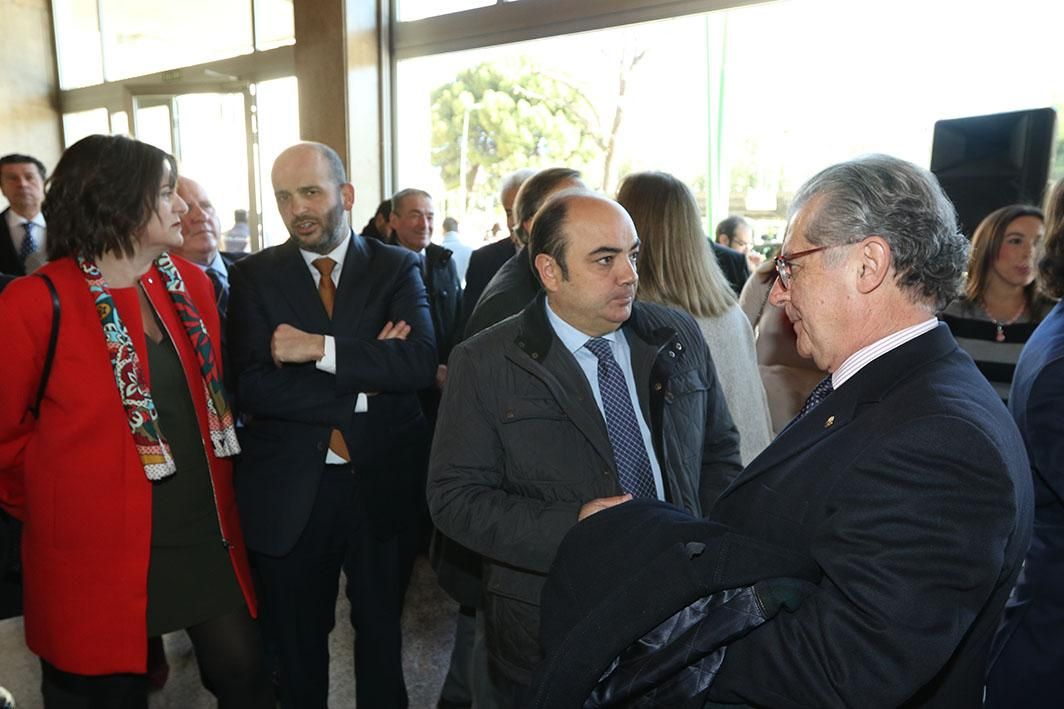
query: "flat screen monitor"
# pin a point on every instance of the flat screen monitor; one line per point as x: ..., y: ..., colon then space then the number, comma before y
x: 987, y: 162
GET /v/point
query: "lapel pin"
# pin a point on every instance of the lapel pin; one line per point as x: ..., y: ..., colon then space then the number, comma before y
x: 830, y: 422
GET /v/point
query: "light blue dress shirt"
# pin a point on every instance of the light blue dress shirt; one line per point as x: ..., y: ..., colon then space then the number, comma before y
x: 574, y: 341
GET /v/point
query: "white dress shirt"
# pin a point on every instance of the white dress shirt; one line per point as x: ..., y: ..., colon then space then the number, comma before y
x: 328, y: 361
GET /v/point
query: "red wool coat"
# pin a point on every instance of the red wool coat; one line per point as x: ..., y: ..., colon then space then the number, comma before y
x: 74, y: 476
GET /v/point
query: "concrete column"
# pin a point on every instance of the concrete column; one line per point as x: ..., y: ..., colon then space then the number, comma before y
x: 339, y: 67
x: 30, y: 121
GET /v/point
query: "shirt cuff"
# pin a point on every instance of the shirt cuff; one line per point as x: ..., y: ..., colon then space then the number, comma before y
x: 327, y: 363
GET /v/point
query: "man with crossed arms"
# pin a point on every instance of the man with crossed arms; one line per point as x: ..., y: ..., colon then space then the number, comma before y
x: 330, y: 340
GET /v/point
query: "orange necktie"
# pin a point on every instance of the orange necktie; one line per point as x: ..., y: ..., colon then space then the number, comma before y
x: 327, y: 291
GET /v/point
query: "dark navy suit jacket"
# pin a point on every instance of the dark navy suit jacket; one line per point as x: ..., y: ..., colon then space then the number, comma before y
x: 909, y: 490
x: 734, y: 265
x: 293, y: 408
x: 9, y: 262
x: 484, y: 263
x: 1028, y: 651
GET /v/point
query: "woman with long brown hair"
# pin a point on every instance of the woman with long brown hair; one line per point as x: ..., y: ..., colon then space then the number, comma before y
x: 677, y: 268
x: 1001, y: 305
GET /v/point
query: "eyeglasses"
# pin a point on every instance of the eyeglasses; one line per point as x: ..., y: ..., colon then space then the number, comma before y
x: 783, y: 264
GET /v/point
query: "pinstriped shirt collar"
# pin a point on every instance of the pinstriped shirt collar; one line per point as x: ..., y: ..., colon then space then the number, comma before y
x: 857, y: 361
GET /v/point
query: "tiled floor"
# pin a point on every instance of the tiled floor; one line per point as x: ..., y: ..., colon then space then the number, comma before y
x: 428, y: 628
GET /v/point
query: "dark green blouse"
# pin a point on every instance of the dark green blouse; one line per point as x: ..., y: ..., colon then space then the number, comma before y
x: 190, y: 575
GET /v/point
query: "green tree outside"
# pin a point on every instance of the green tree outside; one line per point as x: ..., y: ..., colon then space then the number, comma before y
x: 493, y: 119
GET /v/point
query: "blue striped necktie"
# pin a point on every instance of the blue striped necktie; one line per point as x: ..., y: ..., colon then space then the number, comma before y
x: 29, y: 244
x: 819, y: 393
x: 221, y: 290
x: 629, y: 452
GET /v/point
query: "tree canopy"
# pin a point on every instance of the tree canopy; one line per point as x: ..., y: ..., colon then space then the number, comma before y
x: 508, y: 117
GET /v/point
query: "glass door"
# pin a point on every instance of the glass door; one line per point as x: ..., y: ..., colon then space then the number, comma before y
x: 212, y: 137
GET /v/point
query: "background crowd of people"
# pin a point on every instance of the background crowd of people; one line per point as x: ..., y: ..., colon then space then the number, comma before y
x: 194, y: 439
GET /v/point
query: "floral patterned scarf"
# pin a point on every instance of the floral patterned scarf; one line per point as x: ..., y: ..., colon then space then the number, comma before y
x: 132, y: 387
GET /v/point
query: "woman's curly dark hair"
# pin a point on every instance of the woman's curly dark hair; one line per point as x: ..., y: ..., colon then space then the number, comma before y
x: 101, y: 194
x: 1051, y: 266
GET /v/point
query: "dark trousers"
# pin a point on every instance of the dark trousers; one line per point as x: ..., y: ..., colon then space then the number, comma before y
x: 230, y: 665
x: 493, y: 689
x: 300, y: 590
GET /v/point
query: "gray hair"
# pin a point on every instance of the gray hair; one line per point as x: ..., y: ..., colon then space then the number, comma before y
x: 398, y: 197
x: 513, y: 181
x: 879, y: 195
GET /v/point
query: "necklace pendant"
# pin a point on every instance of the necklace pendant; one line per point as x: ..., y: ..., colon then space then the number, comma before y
x: 1000, y: 336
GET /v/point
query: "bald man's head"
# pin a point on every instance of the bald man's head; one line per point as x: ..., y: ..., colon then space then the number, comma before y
x: 199, y: 225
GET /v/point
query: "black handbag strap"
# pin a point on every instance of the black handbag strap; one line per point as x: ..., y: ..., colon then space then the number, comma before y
x: 52, y: 339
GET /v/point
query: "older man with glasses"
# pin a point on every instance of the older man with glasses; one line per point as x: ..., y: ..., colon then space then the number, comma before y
x: 903, y: 480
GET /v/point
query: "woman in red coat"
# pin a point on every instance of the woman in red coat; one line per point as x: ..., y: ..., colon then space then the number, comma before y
x: 122, y: 478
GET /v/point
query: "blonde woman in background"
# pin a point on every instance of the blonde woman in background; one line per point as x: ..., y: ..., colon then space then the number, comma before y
x: 677, y: 268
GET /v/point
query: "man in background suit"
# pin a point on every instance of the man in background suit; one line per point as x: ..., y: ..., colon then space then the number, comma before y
x: 903, y: 481
x: 22, y: 227
x: 201, y: 229
x: 737, y: 233
x: 330, y: 338
x: 487, y: 260
x: 515, y: 284
x: 732, y: 241
x: 411, y: 224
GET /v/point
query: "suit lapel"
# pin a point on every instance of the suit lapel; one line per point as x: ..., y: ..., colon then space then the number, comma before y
x: 573, y: 393
x: 830, y: 416
x: 870, y: 385
x: 545, y: 356
x: 643, y: 354
x: 9, y: 262
x: 354, y: 287
x: 298, y: 288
